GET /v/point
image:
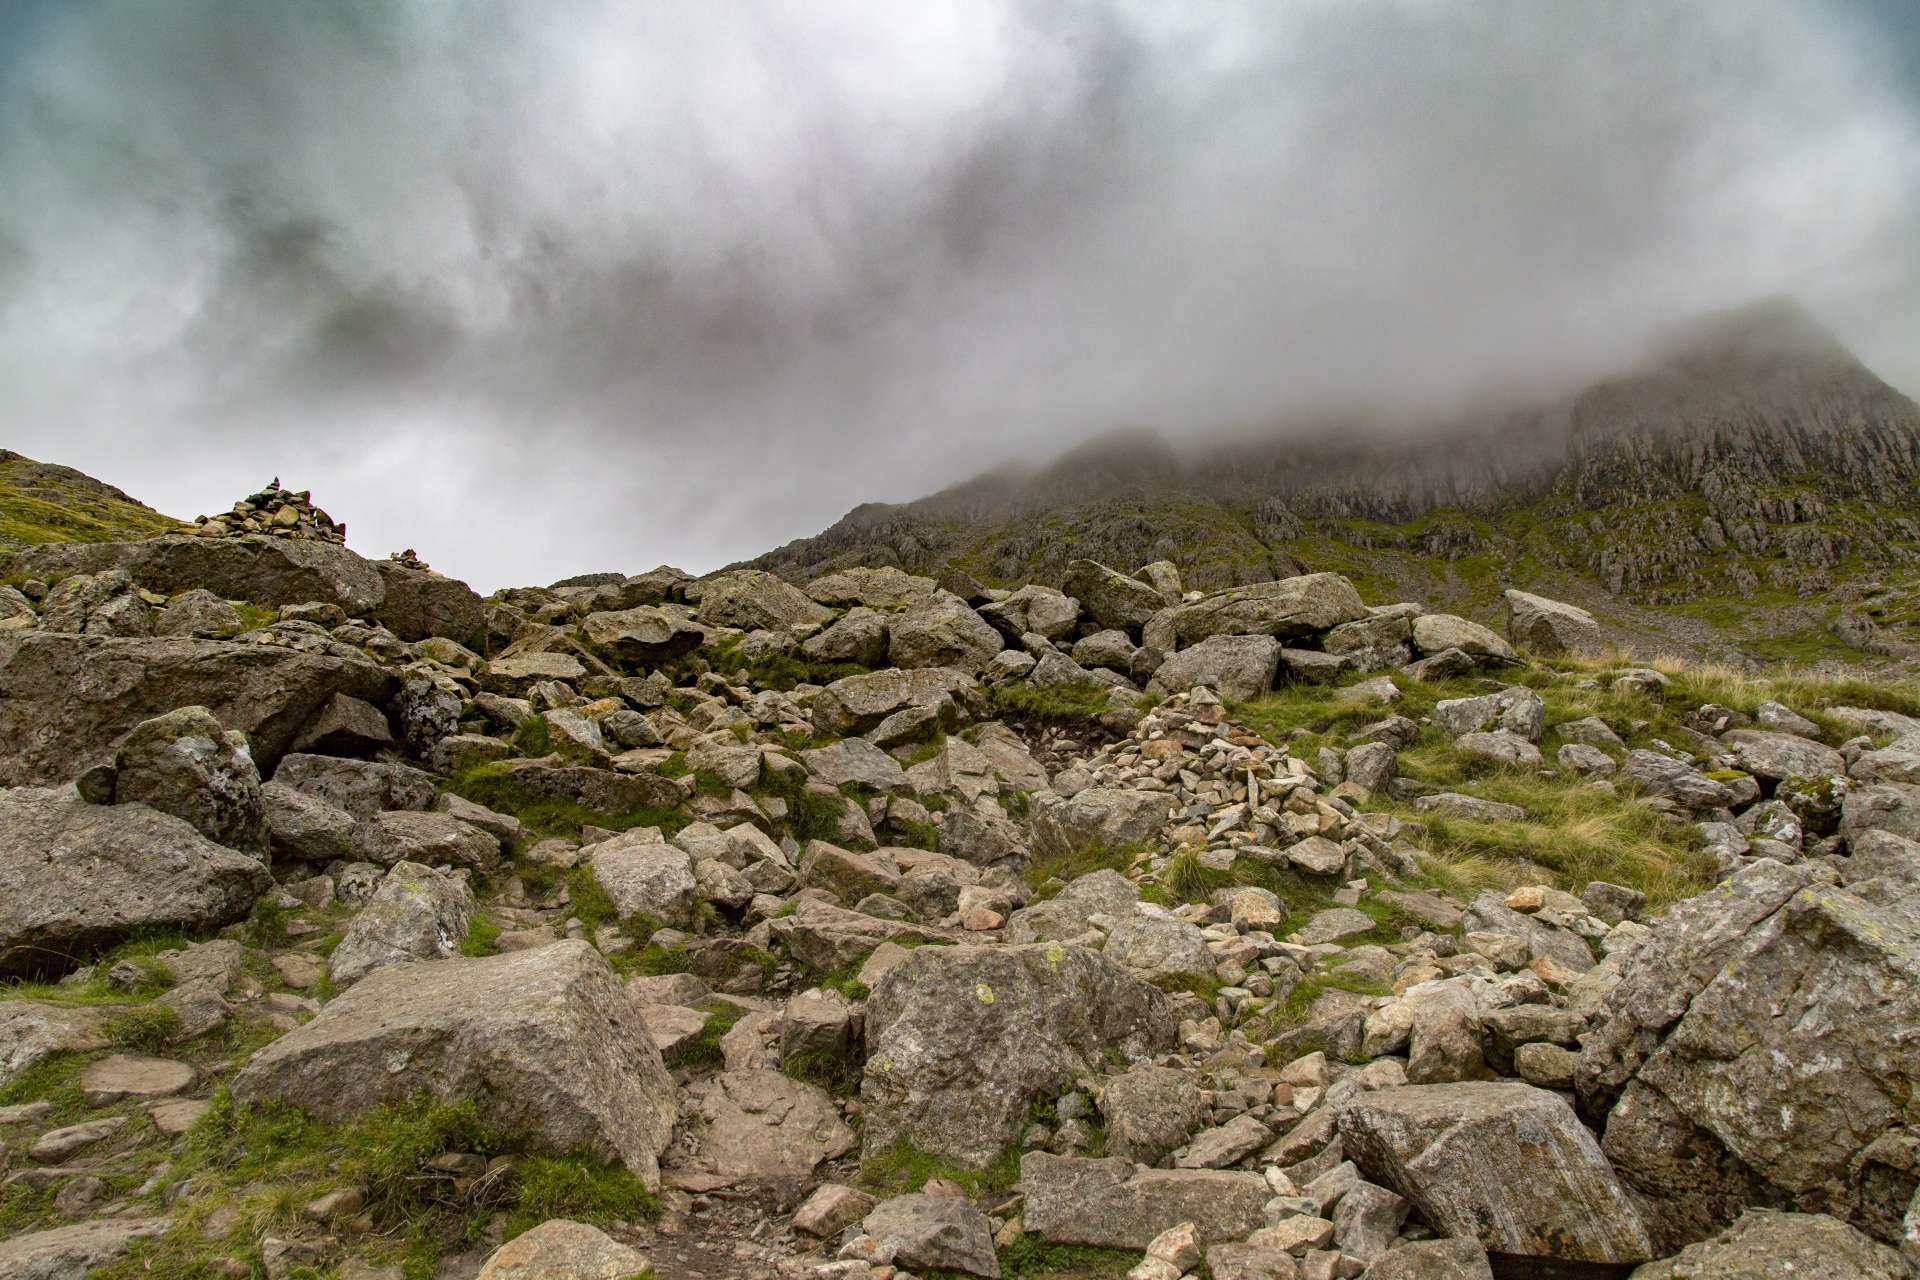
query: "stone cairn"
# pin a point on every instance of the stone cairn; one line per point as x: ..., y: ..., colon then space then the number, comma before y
x: 276, y: 512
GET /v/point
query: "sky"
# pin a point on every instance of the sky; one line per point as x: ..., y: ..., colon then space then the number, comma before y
x: 590, y: 285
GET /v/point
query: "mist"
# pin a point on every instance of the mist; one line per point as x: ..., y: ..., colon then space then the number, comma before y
x: 547, y: 289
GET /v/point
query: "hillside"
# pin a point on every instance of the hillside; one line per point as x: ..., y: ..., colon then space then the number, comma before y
x: 41, y: 502
x: 1748, y: 497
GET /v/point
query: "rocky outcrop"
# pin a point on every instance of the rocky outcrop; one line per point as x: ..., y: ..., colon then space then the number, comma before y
x: 1551, y: 628
x: 65, y: 701
x: 1764, y: 1019
x: 78, y: 877
x: 961, y: 1040
x: 1291, y: 607
x: 1507, y: 1164
x: 1234, y: 666
x: 542, y: 1042
x: 267, y: 571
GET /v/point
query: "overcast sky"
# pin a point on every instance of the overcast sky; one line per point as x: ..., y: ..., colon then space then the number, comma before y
x: 548, y: 288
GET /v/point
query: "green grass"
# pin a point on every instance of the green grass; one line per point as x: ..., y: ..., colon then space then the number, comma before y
x: 1056, y: 704
x: 1069, y: 867
x: 702, y: 1053
x: 147, y: 1027
x: 837, y: 1073
x: 480, y: 939
x: 1030, y: 1258
x: 581, y: 1189
x: 492, y: 785
x: 904, y: 1168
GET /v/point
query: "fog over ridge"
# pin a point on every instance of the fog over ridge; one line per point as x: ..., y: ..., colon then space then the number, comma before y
x: 543, y: 290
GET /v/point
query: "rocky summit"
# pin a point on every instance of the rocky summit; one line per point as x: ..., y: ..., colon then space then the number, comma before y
x: 999, y: 908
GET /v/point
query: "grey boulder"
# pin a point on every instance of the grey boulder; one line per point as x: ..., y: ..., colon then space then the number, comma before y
x: 1114, y: 600
x: 941, y: 1232
x: 1551, y: 628
x: 1149, y: 1111
x: 961, y: 1041
x: 647, y: 878
x: 361, y: 787
x: 1066, y: 914
x: 542, y: 1042
x: 1234, y: 666
x: 1290, y: 607
x: 941, y: 631
x: 431, y: 839
x: 76, y: 877
x: 305, y: 828
x: 755, y: 601
x: 1109, y: 817
x: 1765, y: 1243
x: 417, y: 913
x: 1106, y: 1204
x: 184, y: 763
x: 1507, y: 1164
x: 1783, y: 755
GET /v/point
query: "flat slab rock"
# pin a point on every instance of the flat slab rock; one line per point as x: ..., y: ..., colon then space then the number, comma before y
x: 118, y: 1077
x: 65, y: 1252
x: 544, y: 1042
x: 763, y: 1124
x: 1107, y: 1205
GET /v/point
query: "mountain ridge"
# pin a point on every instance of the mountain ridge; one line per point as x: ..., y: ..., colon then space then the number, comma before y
x: 1755, y: 461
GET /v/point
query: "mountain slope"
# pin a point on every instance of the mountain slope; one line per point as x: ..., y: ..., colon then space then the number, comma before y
x: 1753, y: 495
x: 41, y: 502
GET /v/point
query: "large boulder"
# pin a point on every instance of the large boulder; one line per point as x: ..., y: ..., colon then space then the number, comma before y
x: 646, y: 877
x: 755, y: 601
x: 1551, y: 628
x: 264, y: 570
x: 184, y: 763
x: 945, y: 1233
x: 1150, y: 1111
x: 349, y: 727
x: 305, y: 828
x: 642, y: 636
x: 1034, y: 610
x: 361, y: 787
x: 76, y: 1250
x: 1765, y: 1244
x: 97, y: 604
x: 1066, y: 915
x: 1783, y: 755
x: 1435, y: 633
x: 882, y: 588
x: 77, y: 877
x: 1771, y: 1016
x: 430, y: 839
x: 1109, y: 817
x: 417, y: 913
x: 941, y: 630
x: 855, y: 760
x: 1107, y: 1204
x: 827, y: 938
x: 1516, y: 709
x: 859, y: 703
x: 1508, y: 1164
x: 419, y: 603
x: 542, y: 1042
x: 1112, y: 598
x: 962, y: 1040
x: 860, y: 637
x: 1233, y: 666
x: 66, y: 700
x: 1290, y: 607
x: 1159, y: 947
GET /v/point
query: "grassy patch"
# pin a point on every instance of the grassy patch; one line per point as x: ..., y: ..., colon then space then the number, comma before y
x: 1071, y: 866
x: 903, y: 1168
x: 492, y: 785
x: 703, y: 1051
x: 836, y: 1073
x: 480, y: 939
x: 147, y: 1027
x: 1055, y: 704
x: 1031, y: 1258
x: 581, y: 1189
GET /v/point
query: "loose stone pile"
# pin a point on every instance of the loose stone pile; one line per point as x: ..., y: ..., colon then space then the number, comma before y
x: 795, y: 925
x: 277, y: 512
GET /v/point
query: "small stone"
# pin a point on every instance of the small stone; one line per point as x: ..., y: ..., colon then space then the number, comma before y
x: 119, y: 1077
x: 832, y: 1209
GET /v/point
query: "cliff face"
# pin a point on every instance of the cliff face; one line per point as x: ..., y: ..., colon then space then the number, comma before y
x: 1757, y: 465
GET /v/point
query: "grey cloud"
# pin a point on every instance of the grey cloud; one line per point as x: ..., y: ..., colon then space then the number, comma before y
x: 541, y: 289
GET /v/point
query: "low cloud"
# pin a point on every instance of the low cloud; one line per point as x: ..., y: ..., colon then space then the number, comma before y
x: 547, y: 289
